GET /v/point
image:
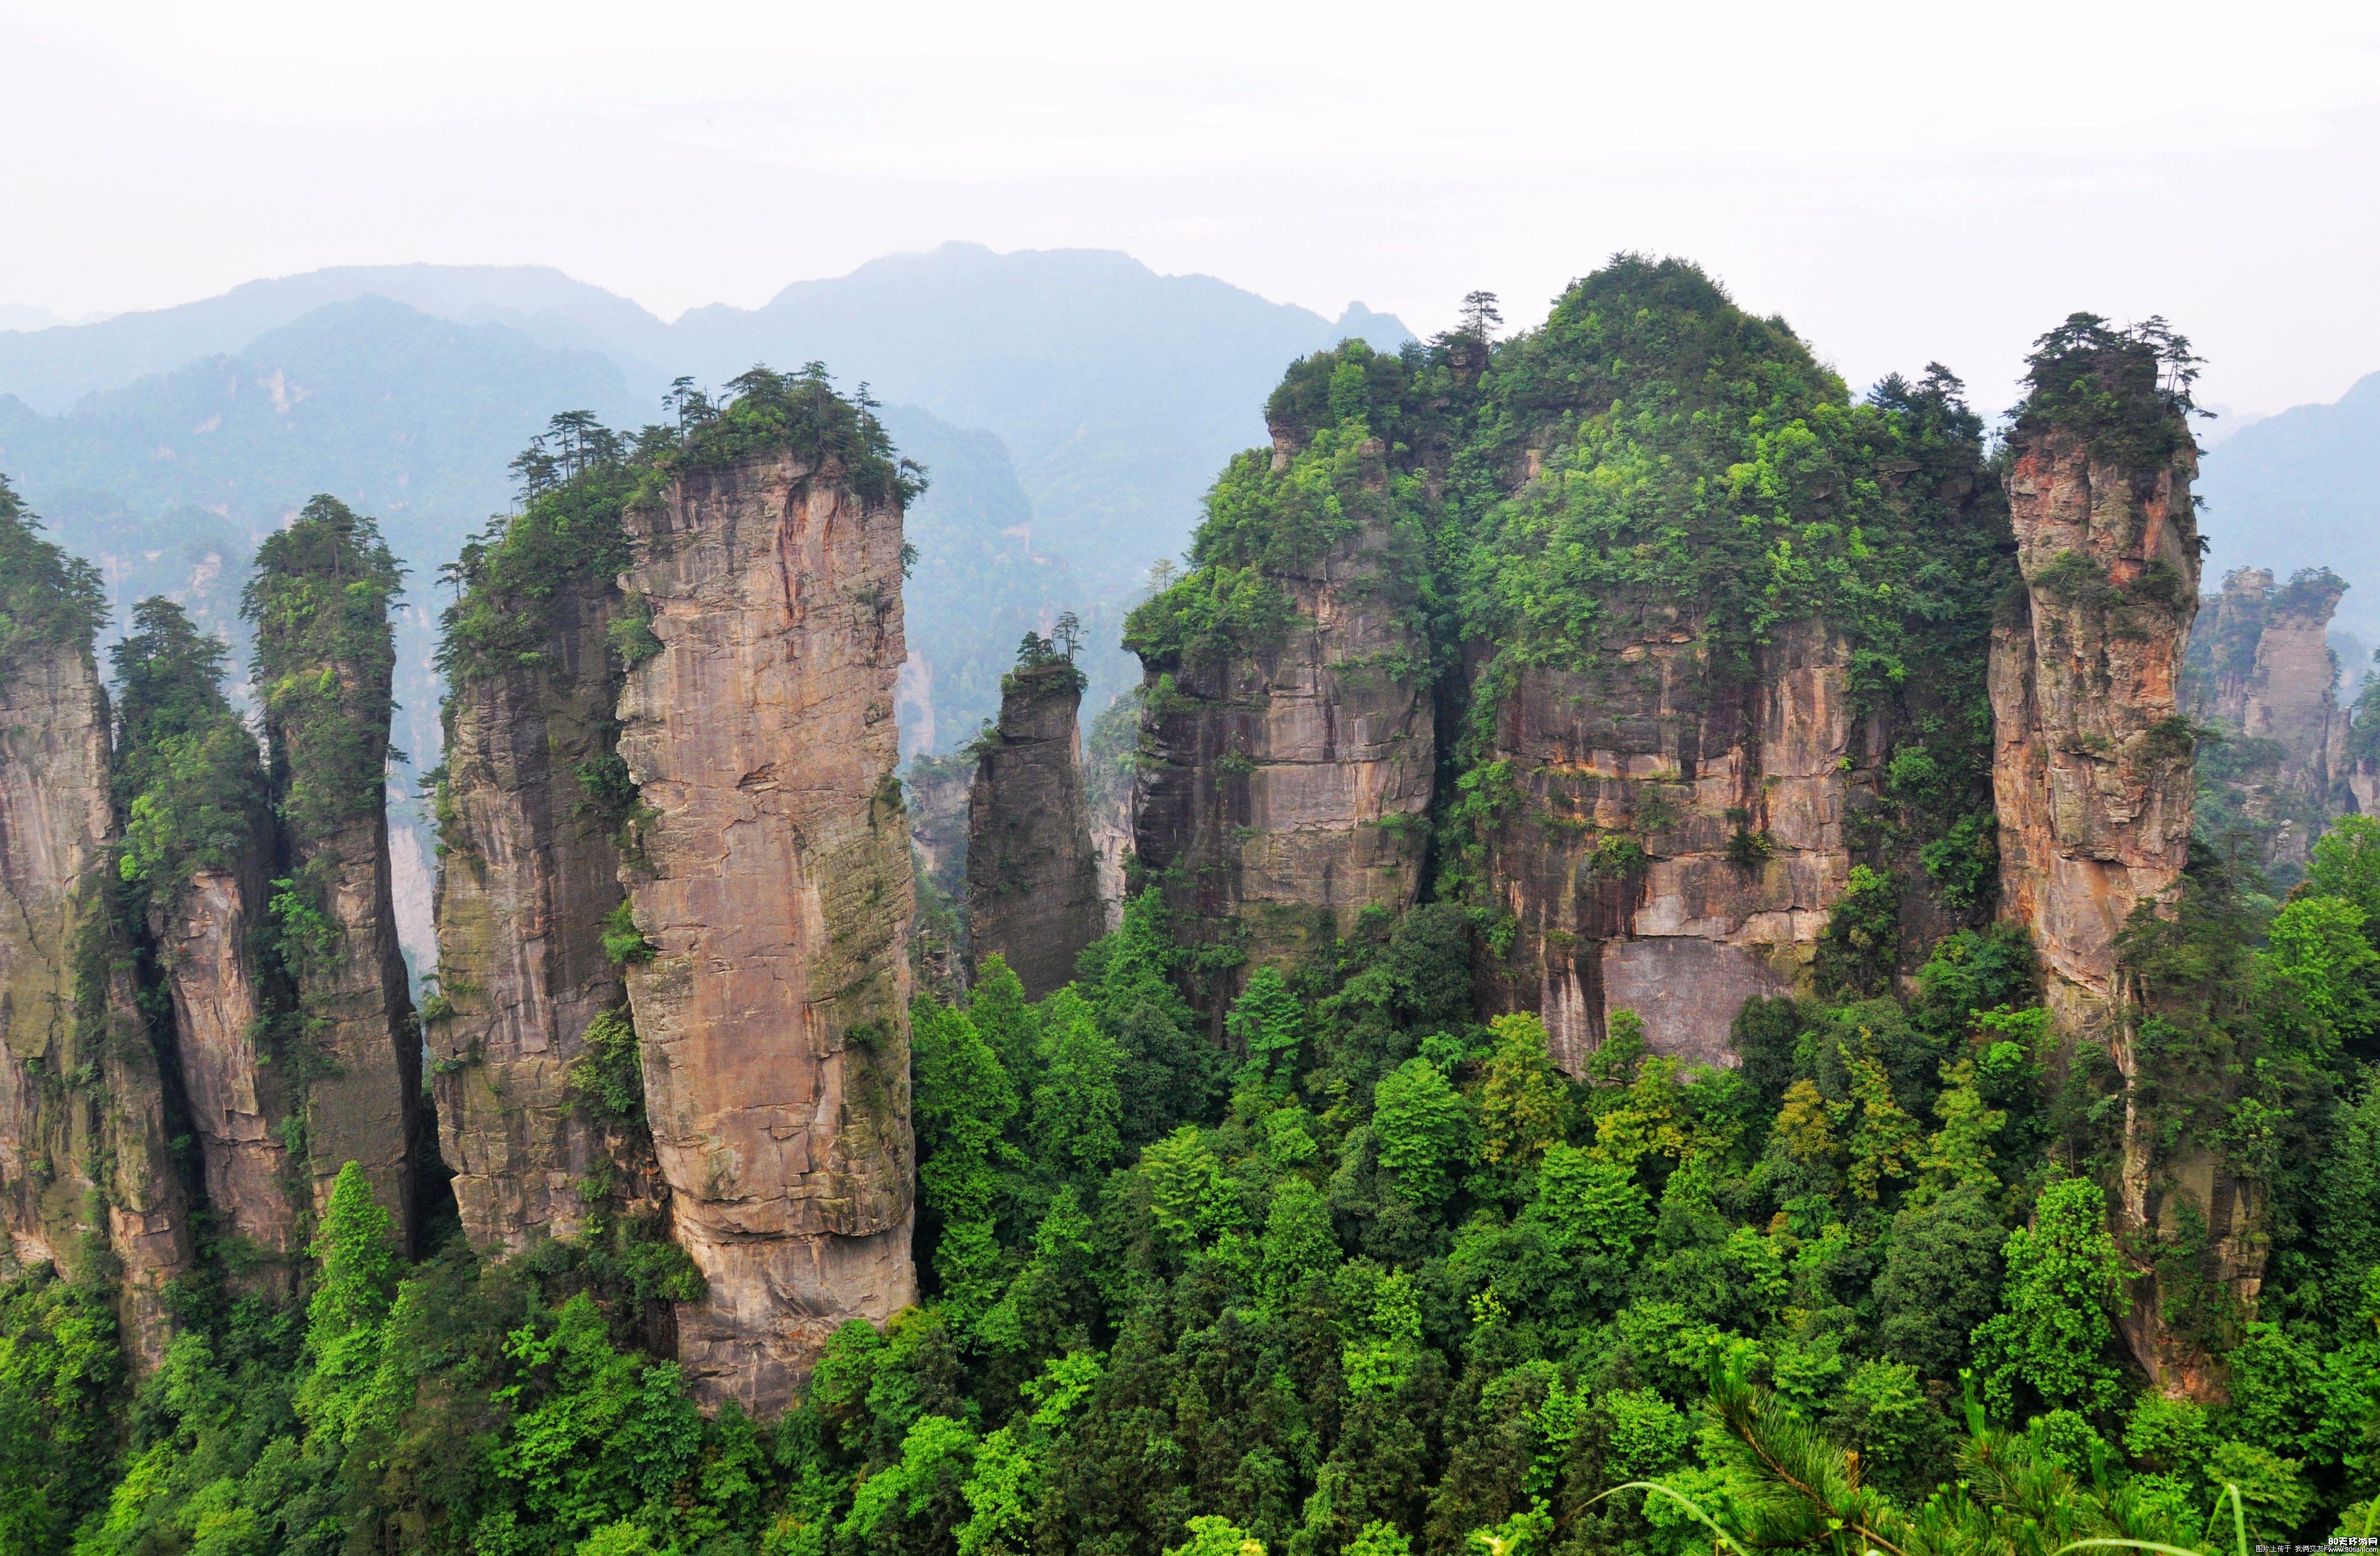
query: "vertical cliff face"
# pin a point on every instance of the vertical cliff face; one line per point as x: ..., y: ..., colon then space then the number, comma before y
x: 238, y: 1098
x: 528, y: 879
x: 199, y: 856
x: 1287, y: 754
x: 84, y: 1156
x: 1673, y: 847
x: 2094, y: 784
x: 775, y: 891
x: 2094, y: 772
x: 1716, y: 661
x: 324, y: 660
x: 1032, y: 879
x: 2260, y: 670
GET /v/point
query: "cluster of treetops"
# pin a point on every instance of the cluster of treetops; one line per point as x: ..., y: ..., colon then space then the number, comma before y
x: 1372, y: 1276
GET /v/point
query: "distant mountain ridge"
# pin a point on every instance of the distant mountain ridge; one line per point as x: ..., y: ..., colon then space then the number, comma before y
x: 1073, y: 404
x: 2296, y: 490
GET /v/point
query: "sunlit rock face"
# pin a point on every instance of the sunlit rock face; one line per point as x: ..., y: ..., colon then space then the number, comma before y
x: 773, y: 884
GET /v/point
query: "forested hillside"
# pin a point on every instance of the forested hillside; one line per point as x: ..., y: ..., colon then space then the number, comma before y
x: 1368, y: 1190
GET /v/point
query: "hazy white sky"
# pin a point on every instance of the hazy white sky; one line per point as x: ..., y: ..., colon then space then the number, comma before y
x: 1902, y: 181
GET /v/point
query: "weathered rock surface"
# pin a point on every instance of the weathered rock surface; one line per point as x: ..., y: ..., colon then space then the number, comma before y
x: 2094, y: 788
x: 529, y: 875
x: 1278, y: 796
x: 1033, y: 892
x: 1676, y: 845
x: 2093, y: 774
x: 237, y: 1098
x: 775, y: 889
x: 83, y: 1133
x: 363, y: 1098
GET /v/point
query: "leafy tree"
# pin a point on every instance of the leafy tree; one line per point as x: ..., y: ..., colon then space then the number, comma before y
x: 1424, y: 1131
x: 962, y: 1103
x: 1521, y: 1098
x: 2052, y: 1336
x: 1076, y: 1105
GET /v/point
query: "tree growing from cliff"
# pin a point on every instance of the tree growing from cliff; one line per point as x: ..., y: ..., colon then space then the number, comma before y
x: 320, y: 601
x: 188, y: 777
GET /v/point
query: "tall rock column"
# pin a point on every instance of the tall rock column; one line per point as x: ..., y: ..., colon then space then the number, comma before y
x: 774, y: 889
x: 1032, y: 889
x: 528, y: 881
x: 324, y: 654
x: 198, y: 849
x: 2094, y: 777
x: 1281, y: 784
x: 84, y: 1154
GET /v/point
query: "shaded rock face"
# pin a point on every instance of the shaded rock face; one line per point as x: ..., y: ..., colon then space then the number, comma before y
x: 1673, y: 847
x: 774, y: 887
x: 2260, y: 668
x: 529, y: 875
x: 2092, y: 773
x: 363, y: 1100
x: 83, y: 1132
x: 238, y: 1099
x: 1032, y: 879
x: 1278, y: 796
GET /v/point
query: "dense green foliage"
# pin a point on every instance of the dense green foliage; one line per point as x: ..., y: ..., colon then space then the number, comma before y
x: 324, y: 654
x: 189, y: 779
x: 1379, y: 1280
x: 47, y: 596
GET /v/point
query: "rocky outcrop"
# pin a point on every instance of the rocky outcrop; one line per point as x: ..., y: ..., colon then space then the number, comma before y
x: 1032, y: 881
x: 85, y: 1160
x: 2095, y: 787
x: 1671, y: 845
x: 774, y: 891
x: 1278, y: 793
x: 528, y: 877
x: 325, y: 658
x: 2093, y: 774
x: 238, y: 1099
x: 2260, y: 670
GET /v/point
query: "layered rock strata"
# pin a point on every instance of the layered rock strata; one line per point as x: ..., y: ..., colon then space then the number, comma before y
x: 1277, y: 795
x: 527, y: 879
x: 84, y: 1141
x: 1032, y: 879
x: 1674, y: 846
x: 775, y: 891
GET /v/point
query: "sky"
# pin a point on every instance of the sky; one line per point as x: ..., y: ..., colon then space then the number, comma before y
x: 1903, y: 182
